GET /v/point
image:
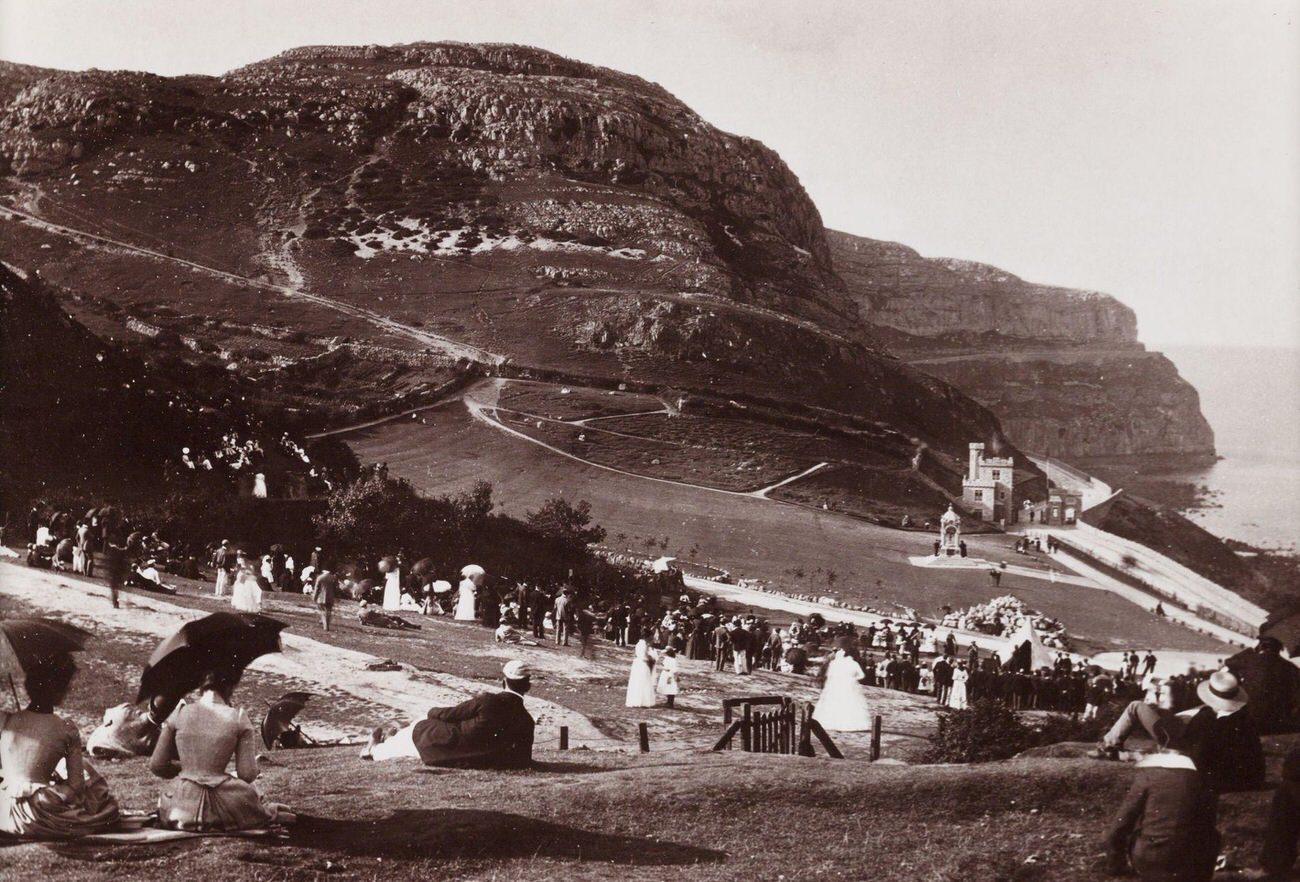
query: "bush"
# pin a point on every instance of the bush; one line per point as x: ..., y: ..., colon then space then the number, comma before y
x: 983, y: 732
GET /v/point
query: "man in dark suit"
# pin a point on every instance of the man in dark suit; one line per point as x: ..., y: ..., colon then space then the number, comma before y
x: 1165, y: 826
x: 537, y: 601
x: 1274, y: 684
x: 942, y: 679
x: 489, y: 731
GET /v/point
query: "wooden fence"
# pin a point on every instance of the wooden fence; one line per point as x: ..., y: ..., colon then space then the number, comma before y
x: 787, y: 727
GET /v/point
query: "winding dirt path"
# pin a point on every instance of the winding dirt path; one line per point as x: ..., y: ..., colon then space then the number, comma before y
x: 449, y: 347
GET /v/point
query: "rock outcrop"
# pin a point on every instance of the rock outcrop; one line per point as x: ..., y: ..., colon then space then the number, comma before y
x: 895, y: 287
x: 1062, y: 368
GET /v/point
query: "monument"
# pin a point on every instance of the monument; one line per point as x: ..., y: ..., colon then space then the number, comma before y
x: 949, y: 534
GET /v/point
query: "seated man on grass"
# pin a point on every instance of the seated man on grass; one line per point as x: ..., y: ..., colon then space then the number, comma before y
x: 1220, y: 736
x: 489, y: 731
x: 368, y: 615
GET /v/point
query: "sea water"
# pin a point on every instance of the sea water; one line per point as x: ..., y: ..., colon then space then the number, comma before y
x: 1252, y: 399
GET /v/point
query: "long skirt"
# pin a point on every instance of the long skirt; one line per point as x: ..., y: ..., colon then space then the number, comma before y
x: 247, y: 594
x: 57, y: 811
x: 231, y: 804
x: 957, y: 696
x: 641, y: 685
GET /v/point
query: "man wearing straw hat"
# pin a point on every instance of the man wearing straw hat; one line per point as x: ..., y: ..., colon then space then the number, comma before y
x: 1220, y: 736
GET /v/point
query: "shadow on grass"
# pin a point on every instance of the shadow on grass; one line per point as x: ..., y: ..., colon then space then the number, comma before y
x: 472, y: 833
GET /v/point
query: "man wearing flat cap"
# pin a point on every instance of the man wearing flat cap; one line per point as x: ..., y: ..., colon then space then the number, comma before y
x: 489, y: 731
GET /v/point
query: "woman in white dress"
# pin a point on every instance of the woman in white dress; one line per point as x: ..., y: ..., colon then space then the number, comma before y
x: 641, y: 679
x: 259, y: 486
x: 246, y: 596
x: 843, y: 705
x: 392, y: 584
x: 668, y: 684
x: 471, y: 579
x: 957, y: 696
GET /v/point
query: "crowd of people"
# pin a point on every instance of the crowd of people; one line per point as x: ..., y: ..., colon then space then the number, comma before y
x: 1206, y: 729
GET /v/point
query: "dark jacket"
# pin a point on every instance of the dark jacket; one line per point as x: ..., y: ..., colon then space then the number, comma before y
x: 489, y: 731
x: 1226, y: 750
x: 1273, y: 684
x: 1283, y: 830
x: 1165, y: 825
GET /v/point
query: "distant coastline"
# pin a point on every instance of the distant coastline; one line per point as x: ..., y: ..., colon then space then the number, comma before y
x: 1250, y: 493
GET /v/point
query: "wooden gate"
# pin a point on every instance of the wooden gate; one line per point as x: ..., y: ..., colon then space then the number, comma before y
x: 786, y: 728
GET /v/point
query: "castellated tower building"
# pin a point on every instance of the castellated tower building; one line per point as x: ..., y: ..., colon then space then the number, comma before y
x: 987, y: 488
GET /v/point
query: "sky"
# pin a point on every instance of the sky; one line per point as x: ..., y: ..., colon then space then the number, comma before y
x: 1150, y: 150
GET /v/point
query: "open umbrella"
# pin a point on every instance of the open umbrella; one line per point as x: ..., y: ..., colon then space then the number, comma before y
x: 423, y: 566
x: 180, y: 662
x: 279, y: 721
x: 26, y: 642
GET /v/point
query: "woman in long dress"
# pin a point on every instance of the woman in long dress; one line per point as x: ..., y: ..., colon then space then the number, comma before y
x: 472, y: 577
x: 195, y: 746
x: 669, y: 686
x: 843, y: 705
x: 392, y: 585
x: 641, y: 679
x: 246, y: 596
x: 37, y: 801
x: 957, y: 695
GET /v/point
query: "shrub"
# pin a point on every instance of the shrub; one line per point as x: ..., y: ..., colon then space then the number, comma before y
x: 983, y: 732
x: 562, y: 520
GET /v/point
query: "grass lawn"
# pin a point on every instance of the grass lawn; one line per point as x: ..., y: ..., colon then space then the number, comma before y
x: 749, y: 537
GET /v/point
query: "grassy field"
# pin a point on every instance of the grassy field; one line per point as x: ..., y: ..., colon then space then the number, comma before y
x: 790, y: 546
x: 678, y: 812
x: 719, y: 464
x: 579, y: 403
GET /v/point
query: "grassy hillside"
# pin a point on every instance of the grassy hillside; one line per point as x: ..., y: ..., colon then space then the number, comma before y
x: 677, y: 812
x: 445, y: 450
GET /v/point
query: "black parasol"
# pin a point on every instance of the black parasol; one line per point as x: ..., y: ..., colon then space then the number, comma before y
x: 279, y: 720
x: 26, y: 642
x: 180, y: 662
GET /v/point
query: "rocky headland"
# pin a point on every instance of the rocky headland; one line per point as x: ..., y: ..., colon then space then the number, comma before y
x: 1062, y: 368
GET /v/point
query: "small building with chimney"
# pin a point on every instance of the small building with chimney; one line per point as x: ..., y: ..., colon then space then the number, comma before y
x: 988, y: 488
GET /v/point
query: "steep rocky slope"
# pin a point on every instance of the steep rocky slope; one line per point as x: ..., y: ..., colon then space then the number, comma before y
x: 74, y: 409
x: 1062, y: 368
x: 399, y: 217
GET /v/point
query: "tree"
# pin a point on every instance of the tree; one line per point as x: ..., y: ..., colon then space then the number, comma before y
x: 560, y: 519
x: 471, y: 508
x: 374, y: 515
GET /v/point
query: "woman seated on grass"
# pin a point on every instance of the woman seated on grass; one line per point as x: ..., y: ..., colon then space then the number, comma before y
x: 34, y: 801
x: 196, y: 745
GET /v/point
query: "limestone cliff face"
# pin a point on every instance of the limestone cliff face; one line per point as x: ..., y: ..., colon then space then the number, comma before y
x: 895, y: 287
x: 1062, y: 369
x: 1086, y: 404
